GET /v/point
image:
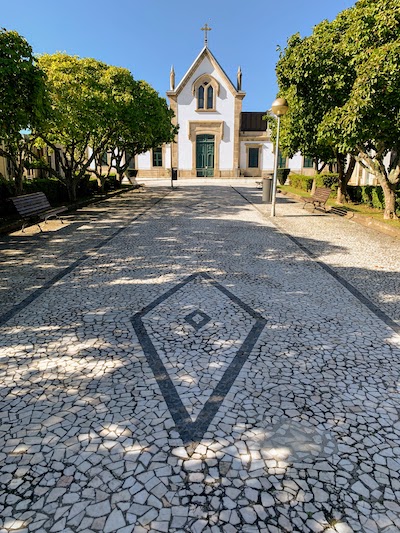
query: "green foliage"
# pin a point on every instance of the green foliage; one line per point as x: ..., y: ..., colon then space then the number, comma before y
x: 111, y: 182
x: 305, y: 78
x: 87, y: 186
x: 327, y: 180
x: 54, y: 190
x: 343, y: 88
x: 23, y: 101
x: 103, y: 107
x: 282, y: 175
x: 305, y: 183
x: 88, y: 98
x: 22, y: 87
x: 145, y: 123
x: 92, y: 186
x: 80, y: 92
x: 298, y: 181
x: 371, y: 195
x: 7, y: 190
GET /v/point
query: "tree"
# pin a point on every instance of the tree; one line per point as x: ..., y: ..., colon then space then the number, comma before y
x: 84, y: 96
x: 308, y: 77
x: 144, y: 123
x: 344, y: 81
x: 102, y: 107
x: 23, y: 101
x: 368, y: 122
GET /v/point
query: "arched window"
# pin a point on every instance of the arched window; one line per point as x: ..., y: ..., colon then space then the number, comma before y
x: 200, y: 101
x: 206, y: 89
x: 205, y: 96
x: 210, y: 97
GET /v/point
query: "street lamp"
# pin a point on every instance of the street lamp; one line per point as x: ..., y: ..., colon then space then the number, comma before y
x: 279, y: 108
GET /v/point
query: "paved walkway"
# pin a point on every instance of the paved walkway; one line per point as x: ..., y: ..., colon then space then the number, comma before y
x: 173, y: 361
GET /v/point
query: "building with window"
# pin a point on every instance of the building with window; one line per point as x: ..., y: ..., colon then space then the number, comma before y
x: 215, y: 138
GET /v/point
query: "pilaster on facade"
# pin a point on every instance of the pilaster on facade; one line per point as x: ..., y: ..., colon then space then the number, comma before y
x: 236, y: 145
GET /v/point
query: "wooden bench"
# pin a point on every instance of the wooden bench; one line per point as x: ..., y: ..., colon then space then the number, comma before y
x: 319, y: 198
x: 35, y: 206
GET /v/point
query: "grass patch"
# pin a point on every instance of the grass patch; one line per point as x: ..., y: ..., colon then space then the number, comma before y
x: 293, y: 190
x: 359, y: 209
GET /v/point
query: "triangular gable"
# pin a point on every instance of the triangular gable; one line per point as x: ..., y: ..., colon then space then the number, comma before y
x: 205, y: 52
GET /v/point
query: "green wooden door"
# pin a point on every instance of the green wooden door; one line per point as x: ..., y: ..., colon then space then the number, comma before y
x: 205, y: 155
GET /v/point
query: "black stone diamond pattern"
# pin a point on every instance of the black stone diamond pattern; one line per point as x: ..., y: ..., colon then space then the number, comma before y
x: 192, y: 432
x: 197, y: 319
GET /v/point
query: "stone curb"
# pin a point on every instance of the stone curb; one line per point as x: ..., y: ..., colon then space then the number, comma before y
x: 362, y: 220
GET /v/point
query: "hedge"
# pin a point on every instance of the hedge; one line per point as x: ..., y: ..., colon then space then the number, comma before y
x: 299, y: 181
x: 55, y: 191
x: 371, y: 195
x: 7, y: 189
x: 87, y: 186
x: 282, y: 175
x: 322, y: 180
x: 330, y: 180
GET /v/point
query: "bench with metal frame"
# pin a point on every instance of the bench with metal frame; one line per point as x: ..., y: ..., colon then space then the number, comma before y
x: 35, y: 206
x: 319, y: 198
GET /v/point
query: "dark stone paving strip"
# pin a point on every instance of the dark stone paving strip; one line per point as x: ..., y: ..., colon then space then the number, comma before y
x: 197, y: 325
x: 192, y: 432
x: 355, y: 292
x: 48, y: 284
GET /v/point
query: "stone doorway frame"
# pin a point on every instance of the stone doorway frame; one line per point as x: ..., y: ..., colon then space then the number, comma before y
x: 205, y: 127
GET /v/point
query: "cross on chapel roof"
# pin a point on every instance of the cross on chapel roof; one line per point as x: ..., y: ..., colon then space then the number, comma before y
x: 206, y: 29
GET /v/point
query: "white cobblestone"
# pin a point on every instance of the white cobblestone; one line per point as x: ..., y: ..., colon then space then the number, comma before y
x: 305, y: 436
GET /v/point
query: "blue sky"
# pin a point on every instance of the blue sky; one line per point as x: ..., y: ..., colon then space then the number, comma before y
x: 148, y: 36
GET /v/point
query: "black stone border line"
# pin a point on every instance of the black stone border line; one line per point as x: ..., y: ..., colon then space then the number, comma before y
x: 191, y: 432
x: 355, y: 292
x: 87, y: 255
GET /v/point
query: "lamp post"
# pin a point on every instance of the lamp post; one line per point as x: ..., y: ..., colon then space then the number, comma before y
x: 172, y: 170
x: 279, y: 108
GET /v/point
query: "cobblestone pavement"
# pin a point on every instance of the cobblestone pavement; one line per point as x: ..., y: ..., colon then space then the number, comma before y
x: 185, y: 366
x: 363, y: 257
x: 30, y: 261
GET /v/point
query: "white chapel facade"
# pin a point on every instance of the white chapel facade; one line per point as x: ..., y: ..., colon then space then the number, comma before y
x: 215, y: 138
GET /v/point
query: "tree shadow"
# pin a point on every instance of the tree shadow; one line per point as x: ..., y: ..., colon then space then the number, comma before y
x: 84, y: 412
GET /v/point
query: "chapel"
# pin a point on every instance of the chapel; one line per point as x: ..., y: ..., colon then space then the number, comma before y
x: 216, y: 138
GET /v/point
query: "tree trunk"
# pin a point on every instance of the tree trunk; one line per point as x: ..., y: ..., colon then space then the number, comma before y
x: 318, y: 170
x: 389, y: 191
x: 71, y: 184
x: 122, y: 171
x: 19, y: 179
x: 344, y: 177
x: 342, y: 189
